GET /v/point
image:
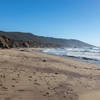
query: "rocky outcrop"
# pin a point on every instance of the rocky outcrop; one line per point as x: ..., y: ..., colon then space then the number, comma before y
x: 6, y: 42
x: 10, y: 43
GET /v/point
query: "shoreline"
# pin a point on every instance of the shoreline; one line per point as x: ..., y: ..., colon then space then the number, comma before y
x: 79, y: 58
x: 27, y: 72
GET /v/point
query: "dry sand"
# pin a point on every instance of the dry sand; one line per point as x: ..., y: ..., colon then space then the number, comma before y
x: 93, y: 95
x: 26, y: 74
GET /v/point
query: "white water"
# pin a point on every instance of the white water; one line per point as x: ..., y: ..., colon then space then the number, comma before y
x: 86, y: 54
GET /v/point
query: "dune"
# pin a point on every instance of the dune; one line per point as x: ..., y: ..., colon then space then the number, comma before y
x: 27, y: 74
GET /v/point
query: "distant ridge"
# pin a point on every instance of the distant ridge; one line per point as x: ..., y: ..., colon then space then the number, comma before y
x: 39, y: 41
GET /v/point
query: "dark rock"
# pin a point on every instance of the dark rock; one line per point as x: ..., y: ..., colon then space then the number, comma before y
x: 44, y: 60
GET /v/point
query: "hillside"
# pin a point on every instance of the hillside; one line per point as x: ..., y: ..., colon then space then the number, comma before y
x: 39, y: 41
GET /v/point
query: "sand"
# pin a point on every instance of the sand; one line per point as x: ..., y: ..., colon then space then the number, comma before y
x: 27, y: 74
x: 92, y: 95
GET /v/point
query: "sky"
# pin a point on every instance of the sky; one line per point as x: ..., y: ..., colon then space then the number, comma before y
x: 69, y: 19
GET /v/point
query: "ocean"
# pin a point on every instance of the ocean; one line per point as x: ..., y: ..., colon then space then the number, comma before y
x: 90, y: 55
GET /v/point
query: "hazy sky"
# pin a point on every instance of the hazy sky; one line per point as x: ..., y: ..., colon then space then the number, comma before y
x: 77, y: 19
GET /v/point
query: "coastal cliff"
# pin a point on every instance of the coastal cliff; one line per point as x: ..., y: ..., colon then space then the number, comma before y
x: 20, y: 39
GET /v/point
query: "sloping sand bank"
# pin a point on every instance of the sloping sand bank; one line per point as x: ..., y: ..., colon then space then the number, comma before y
x: 26, y: 74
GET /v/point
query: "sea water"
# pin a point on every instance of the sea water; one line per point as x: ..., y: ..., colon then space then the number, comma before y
x: 91, y: 55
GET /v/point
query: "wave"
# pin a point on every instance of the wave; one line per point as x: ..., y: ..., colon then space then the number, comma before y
x: 79, y: 53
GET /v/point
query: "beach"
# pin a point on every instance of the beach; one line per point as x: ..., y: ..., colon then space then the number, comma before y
x: 27, y: 74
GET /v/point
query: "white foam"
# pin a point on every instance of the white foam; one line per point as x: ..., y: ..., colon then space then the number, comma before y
x: 92, y: 53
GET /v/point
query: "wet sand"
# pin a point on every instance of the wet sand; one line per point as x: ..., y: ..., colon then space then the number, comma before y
x: 26, y: 74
